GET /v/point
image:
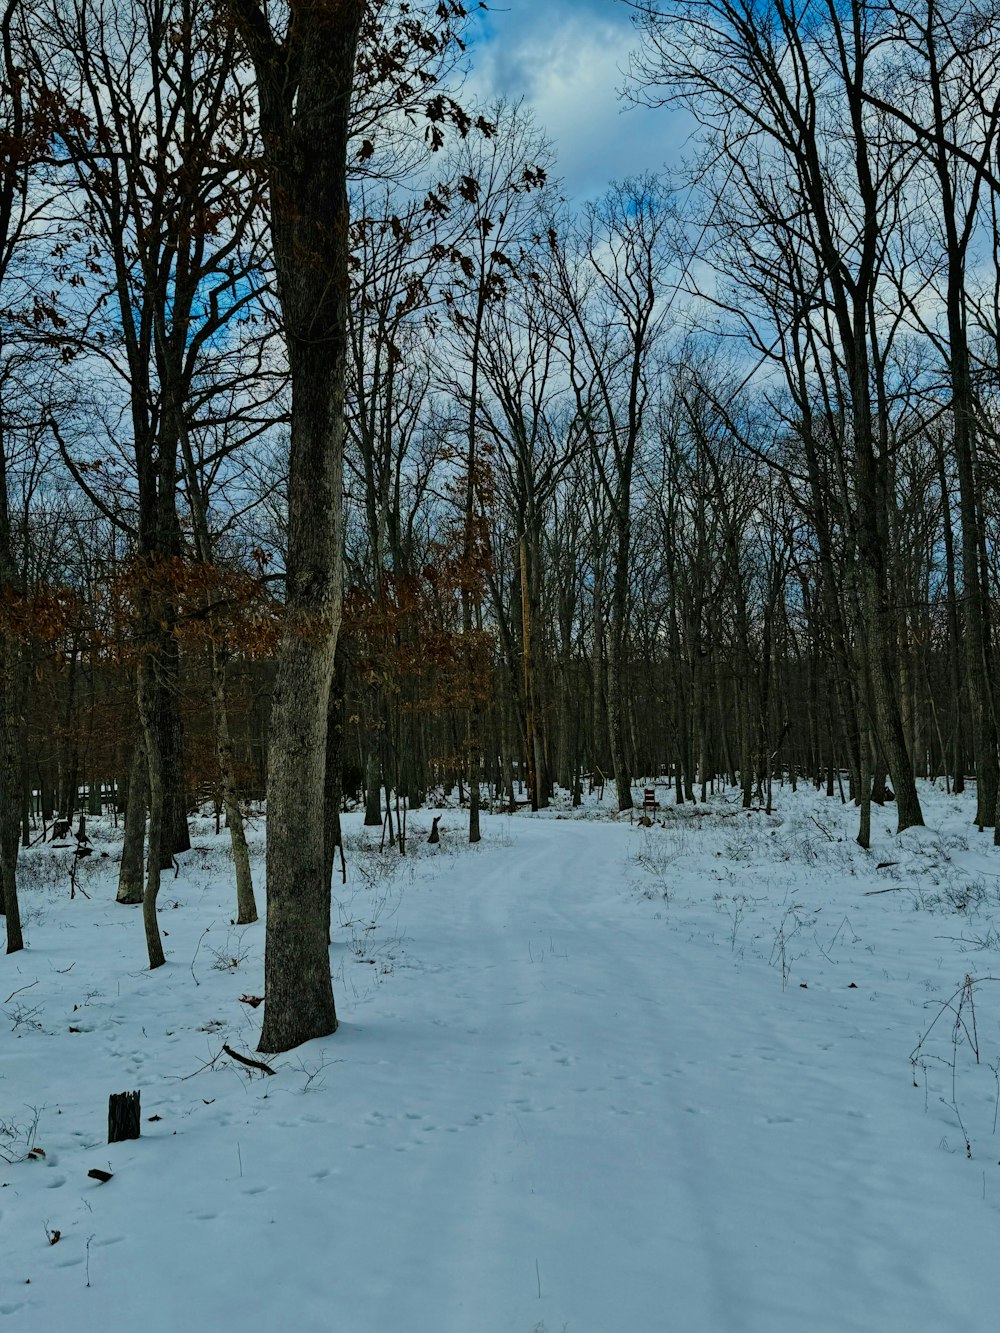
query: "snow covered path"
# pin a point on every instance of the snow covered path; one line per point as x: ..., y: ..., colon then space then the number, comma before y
x: 566, y: 1106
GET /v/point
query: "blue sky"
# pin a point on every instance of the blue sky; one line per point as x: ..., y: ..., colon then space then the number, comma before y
x: 567, y: 59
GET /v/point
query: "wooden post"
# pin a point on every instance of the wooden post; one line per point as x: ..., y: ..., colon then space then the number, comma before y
x: 123, y: 1116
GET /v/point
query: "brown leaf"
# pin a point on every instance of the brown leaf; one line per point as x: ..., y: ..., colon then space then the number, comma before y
x: 252, y: 1000
x: 36, y: 1153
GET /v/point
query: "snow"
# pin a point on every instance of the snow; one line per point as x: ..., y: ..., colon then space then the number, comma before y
x: 589, y: 1077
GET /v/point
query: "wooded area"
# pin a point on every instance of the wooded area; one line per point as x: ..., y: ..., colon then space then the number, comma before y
x: 343, y: 459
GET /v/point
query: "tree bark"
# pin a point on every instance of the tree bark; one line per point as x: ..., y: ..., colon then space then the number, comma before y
x: 150, y: 694
x: 130, y: 874
x: 304, y: 83
x: 246, y: 905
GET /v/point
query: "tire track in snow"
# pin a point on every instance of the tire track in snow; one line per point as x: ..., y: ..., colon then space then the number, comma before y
x: 568, y: 1052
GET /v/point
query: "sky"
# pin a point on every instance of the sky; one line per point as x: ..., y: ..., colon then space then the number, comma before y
x: 567, y: 59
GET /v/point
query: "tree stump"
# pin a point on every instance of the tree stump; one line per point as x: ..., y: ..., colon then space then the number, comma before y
x: 123, y: 1116
x: 435, y: 836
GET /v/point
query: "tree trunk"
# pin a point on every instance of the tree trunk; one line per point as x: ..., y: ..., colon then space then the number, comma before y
x: 130, y: 874
x: 11, y: 706
x: 10, y: 783
x: 304, y: 82
x: 334, y: 776
x: 150, y: 695
x: 246, y: 906
x: 373, y: 782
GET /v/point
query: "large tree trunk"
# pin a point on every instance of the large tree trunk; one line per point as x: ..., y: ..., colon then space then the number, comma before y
x: 297, y: 980
x: 877, y: 626
x: 304, y: 83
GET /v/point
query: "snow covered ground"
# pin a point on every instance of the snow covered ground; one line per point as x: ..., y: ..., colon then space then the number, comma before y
x: 589, y: 1077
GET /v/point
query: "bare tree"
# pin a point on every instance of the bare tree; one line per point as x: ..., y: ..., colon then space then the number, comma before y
x: 612, y: 282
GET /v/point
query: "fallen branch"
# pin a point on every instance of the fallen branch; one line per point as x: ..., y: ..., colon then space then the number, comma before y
x: 245, y: 1060
x: 894, y: 888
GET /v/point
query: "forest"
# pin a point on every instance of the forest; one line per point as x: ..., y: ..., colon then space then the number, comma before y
x: 346, y: 463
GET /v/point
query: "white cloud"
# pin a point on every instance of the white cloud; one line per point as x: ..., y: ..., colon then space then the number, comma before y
x: 569, y: 64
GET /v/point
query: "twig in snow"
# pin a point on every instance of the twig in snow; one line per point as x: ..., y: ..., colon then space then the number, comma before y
x: 197, y: 947
x: 209, y: 1064
x: 20, y: 989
